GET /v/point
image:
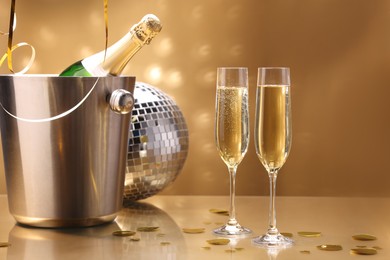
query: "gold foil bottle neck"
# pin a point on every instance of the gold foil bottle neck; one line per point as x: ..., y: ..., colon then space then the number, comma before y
x: 121, y: 52
x: 147, y: 28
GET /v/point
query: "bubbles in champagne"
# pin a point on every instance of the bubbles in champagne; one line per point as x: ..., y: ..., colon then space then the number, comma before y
x: 232, y: 120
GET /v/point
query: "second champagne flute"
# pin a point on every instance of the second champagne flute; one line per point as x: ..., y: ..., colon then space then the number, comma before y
x: 232, y: 133
x: 273, y: 135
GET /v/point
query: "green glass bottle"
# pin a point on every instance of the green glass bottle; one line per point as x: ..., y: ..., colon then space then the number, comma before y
x: 119, y: 54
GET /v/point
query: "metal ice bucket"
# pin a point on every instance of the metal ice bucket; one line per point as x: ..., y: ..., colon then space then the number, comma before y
x: 64, y: 145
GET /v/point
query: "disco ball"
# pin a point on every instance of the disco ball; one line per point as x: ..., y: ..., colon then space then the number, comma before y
x: 158, y: 143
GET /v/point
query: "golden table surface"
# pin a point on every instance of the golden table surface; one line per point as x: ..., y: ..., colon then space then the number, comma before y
x: 336, y: 218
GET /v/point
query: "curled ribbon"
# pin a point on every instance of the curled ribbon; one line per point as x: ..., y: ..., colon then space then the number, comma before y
x: 9, y: 56
x: 11, y: 48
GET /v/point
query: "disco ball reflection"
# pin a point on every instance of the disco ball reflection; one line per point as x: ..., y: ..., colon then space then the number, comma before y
x: 158, y: 143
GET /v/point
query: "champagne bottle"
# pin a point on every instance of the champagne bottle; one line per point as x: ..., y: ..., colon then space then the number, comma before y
x: 119, y: 54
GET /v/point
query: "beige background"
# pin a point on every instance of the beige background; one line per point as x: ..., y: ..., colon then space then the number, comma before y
x: 338, y: 51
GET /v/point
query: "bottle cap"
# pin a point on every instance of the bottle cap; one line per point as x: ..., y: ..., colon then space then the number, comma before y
x: 147, y: 28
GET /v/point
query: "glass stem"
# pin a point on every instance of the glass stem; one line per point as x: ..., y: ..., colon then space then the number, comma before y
x: 272, y: 230
x: 232, y: 210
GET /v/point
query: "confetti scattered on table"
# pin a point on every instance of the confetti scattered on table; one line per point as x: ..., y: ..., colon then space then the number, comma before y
x: 363, y: 251
x: 193, y: 230
x: 123, y: 233
x: 305, y: 252
x: 219, y: 241
x: 165, y: 243
x: 147, y: 229
x: 220, y: 211
x: 330, y: 247
x: 286, y: 234
x: 364, y: 237
x: 309, y: 234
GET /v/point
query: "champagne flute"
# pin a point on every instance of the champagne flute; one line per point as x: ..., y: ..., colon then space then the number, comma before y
x: 273, y: 134
x: 232, y: 133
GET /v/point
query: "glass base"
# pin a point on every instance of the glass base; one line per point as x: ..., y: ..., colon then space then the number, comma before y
x: 277, y: 240
x: 232, y: 230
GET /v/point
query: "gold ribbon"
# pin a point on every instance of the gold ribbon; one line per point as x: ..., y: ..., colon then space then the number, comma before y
x: 8, y: 55
x: 11, y: 48
x: 106, y: 26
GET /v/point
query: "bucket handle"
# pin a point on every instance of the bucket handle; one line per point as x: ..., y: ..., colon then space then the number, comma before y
x: 121, y: 101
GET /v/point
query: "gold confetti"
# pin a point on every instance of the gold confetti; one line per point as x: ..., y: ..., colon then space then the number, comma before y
x: 305, y: 252
x: 330, y: 247
x: 123, y: 233
x: 219, y: 241
x: 165, y: 243
x: 363, y: 251
x: 377, y: 247
x: 286, y: 234
x: 4, y: 244
x: 230, y: 251
x: 220, y: 211
x: 206, y: 247
x: 361, y: 246
x: 239, y: 248
x: 364, y: 237
x: 147, y: 229
x: 309, y: 234
x: 135, y: 239
x: 193, y: 230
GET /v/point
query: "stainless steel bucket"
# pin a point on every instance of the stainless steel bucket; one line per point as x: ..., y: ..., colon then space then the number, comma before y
x: 64, y: 145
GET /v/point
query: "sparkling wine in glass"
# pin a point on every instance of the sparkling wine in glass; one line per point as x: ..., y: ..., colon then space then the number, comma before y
x: 232, y: 133
x: 273, y: 134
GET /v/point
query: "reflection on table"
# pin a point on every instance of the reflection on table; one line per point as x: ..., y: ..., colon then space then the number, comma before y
x: 336, y: 218
x: 98, y: 242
